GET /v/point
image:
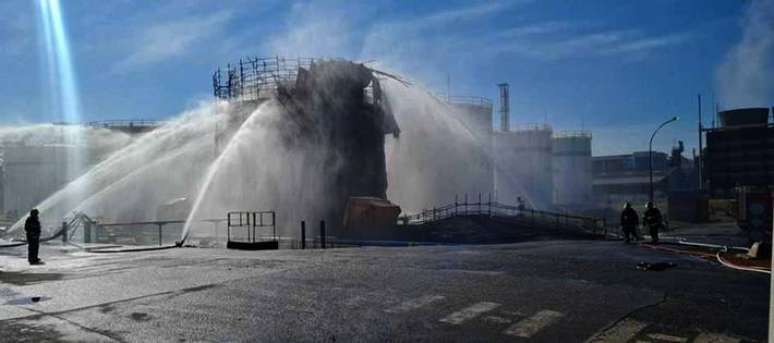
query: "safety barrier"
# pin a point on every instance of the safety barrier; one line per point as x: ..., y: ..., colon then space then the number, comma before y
x: 242, y: 228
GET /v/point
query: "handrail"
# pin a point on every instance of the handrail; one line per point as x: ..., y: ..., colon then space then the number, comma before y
x: 495, y: 209
x: 469, y: 100
x: 125, y: 122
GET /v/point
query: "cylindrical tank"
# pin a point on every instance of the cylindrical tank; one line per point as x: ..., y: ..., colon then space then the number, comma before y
x: 523, y: 159
x: 744, y: 116
x: 476, y: 114
x: 572, y: 168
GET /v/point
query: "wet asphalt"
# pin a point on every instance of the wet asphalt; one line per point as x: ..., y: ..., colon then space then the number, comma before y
x: 546, y: 291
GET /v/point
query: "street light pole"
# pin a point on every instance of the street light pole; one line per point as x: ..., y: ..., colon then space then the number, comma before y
x: 650, y: 152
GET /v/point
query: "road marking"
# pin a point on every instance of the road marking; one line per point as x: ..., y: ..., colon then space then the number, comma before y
x: 415, y: 303
x: 668, y: 338
x: 714, y: 338
x: 621, y: 332
x: 469, y: 312
x: 526, y: 328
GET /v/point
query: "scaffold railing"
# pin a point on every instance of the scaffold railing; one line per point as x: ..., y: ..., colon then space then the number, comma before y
x: 255, y: 78
x: 469, y: 100
x: 125, y: 123
x: 572, y: 134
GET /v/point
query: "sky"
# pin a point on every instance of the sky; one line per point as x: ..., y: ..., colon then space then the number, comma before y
x: 616, y: 68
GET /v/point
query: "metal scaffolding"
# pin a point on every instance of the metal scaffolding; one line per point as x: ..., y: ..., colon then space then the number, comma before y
x: 256, y: 78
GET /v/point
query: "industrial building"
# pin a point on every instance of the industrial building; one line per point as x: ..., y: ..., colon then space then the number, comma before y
x: 572, y: 175
x: 537, y: 168
x: 524, y: 165
x: 738, y: 163
x: 626, y: 177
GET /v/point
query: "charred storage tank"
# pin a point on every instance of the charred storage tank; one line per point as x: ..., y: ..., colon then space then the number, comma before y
x: 744, y: 116
x: 572, y: 168
x: 523, y: 160
x: 476, y: 114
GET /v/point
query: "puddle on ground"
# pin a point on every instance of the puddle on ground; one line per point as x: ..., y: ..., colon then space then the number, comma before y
x: 25, y: 278
x: 27, y: 300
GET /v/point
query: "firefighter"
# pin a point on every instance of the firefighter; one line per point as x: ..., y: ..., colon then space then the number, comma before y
x: 32, y: 227
x: 629, y: 222
x: 653, y: 220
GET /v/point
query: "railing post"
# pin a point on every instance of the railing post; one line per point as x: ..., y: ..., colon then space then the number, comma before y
x: 434, y: 215
x: 322, y: 233
x: 64, y: 232
x: 303, y: 234
x: 489, y: 205
x: 160, y: 225
x: 456, y: 210
x: 465, y: 212
x: 86, y: 231
x: 479, y: 203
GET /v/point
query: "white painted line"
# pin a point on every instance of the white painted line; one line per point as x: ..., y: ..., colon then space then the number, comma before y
x: 528, y: 327
x: 469, y: 312
x: 714, y: 338
x: 668, y: 338
x: 621, y: 332
x: 415, y: 303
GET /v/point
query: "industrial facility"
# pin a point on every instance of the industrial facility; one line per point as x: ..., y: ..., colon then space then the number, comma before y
x: 739, y: 165
x: 334, y: 115
x: 572, y: 173
x: 476, y: 114
x: 35, y: 165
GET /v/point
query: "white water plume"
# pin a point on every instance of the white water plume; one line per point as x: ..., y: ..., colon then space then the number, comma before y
x: 133, y: 181
x: 260, y: 169
x: 219, y: 159
x: 436, y: 156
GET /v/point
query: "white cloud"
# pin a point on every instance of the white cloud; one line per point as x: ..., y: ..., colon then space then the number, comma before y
x: 558, y: 40
x: 468, y: 13
x: 173, y: 38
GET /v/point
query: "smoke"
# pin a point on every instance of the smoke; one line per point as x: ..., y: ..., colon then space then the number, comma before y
x: 744, y: 78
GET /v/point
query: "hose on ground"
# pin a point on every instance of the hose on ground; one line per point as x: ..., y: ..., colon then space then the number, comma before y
x: 19, y: 243
x: 737, y: 267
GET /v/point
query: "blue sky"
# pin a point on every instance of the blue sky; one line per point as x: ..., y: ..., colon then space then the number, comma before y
x: 617, y: 68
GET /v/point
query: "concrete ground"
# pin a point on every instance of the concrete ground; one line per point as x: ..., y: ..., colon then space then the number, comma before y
x: 547, y: 291
x: 721, y: 233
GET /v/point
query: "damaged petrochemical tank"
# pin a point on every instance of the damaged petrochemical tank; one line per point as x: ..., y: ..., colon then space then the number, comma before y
x: 334, y: 104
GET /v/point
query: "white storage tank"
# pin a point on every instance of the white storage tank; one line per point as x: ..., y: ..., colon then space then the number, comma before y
x: 476, y: 115
x: 523, y: 159
x: 572, y: 168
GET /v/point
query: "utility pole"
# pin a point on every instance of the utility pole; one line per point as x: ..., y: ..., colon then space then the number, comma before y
x: 505, y: 107
x: 700, y: 161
